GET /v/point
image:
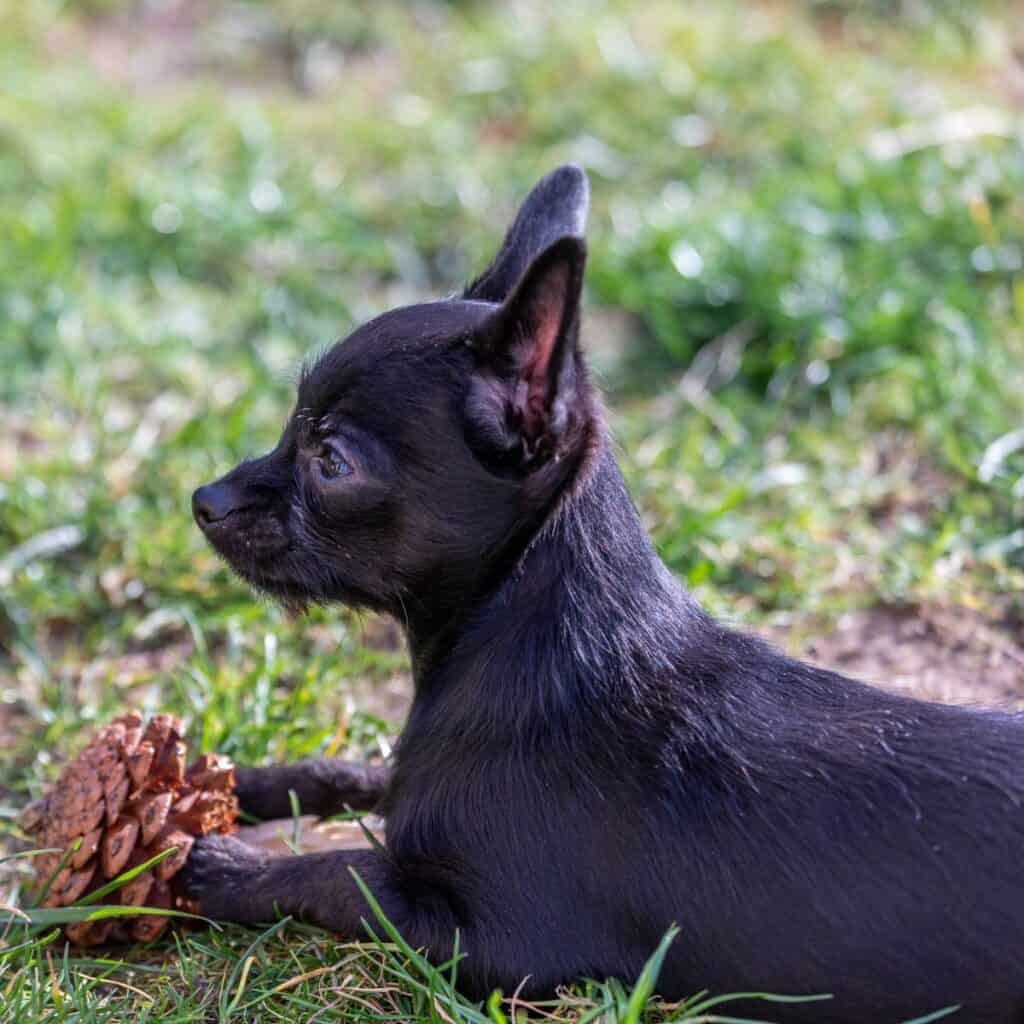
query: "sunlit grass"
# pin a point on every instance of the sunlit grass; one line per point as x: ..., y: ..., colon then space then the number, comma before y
x: 780, y: 190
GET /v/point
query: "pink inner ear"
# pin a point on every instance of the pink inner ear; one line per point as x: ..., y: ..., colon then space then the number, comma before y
x: 545, y: 318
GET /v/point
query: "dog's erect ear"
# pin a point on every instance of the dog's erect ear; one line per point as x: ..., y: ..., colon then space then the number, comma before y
x: 556, y: 208
x: 526, y: 392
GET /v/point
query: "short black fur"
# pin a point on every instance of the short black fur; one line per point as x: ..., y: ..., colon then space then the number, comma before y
x: 589, y: 757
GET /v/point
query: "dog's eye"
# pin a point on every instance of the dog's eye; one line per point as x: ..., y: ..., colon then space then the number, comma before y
x: 332, y: 465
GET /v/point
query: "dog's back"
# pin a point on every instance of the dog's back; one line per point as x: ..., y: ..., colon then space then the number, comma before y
x: 599, y: 760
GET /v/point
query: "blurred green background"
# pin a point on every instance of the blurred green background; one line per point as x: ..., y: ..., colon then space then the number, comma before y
x: 805, y: 295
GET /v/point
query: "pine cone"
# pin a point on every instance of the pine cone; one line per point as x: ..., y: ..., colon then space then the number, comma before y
x: 129, y: 796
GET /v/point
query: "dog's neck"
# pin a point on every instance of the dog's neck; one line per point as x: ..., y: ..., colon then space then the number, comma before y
x: 586, y: 604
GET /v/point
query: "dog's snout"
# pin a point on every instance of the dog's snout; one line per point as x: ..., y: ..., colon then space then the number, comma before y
x: 215, y: 502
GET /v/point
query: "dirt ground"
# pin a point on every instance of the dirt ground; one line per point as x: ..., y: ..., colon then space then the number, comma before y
x: 954, y: 655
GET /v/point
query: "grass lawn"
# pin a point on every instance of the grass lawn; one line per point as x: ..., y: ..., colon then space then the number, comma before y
x: 806, y: 306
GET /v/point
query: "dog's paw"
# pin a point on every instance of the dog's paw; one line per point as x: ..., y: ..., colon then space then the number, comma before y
x: 226, y: 877
x: 256, y: 792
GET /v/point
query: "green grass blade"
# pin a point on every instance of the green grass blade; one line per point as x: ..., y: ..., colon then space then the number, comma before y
x: 24, y: 947
x: 946, y: 1011
x: 765, y: 997
x: 61, y: 864
x: 22, y: 854
x: 494, y: 1007
x: 125, y: 876
x: 644, y: 987
x: 72, y: 915
x: 431, y: 981
x: 239, y: 974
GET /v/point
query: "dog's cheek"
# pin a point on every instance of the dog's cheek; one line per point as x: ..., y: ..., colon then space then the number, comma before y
x: 316, y: 557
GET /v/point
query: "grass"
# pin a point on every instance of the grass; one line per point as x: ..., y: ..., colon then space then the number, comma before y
x: 806, y: 308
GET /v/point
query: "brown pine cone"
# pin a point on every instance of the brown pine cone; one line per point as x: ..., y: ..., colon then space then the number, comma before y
x: 129, y: 796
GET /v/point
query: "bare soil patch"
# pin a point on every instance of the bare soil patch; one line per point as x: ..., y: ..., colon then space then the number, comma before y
x: 954, y: 655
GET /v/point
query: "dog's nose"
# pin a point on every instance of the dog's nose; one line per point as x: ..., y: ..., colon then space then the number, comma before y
x: 214, y: 502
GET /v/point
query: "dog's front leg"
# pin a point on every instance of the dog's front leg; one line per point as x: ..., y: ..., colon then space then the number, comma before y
x: 236, y: 882
x: 323, y: 786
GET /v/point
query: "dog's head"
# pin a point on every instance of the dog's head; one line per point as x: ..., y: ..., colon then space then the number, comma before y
x: 428, y: 444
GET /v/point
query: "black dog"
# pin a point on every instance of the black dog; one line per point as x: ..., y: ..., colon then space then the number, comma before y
x: 589, y: 757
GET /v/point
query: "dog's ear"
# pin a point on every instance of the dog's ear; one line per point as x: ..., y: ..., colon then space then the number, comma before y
x: 556, y: 208
x: 526, y: 395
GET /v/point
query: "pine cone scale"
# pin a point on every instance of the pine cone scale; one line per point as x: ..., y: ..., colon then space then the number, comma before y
x: 90, y: 844
x: 151, y: 813
x: 139, y: 764
x: 118, y: 844
x: 128, y: 797
x: 134, y: 893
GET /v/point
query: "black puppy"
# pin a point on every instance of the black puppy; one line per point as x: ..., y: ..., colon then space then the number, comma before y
x: 589, y: 757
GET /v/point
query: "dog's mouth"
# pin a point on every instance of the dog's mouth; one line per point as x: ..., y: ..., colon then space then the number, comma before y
x: 262, y: 555
x: 267, y: 574
x: 252, y: 543
x: 258, y: 547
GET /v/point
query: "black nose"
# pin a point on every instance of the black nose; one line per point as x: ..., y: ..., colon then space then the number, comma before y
x: 214, y: 502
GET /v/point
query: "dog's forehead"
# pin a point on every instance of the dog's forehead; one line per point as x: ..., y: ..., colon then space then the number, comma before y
x: 385, y: 347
